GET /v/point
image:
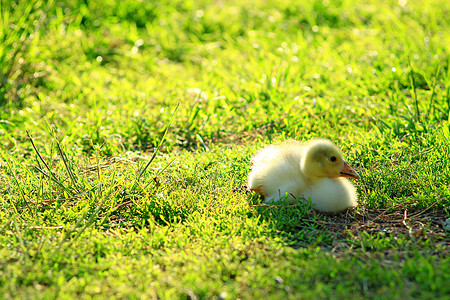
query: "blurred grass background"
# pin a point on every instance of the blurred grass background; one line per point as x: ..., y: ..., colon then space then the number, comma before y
x: 87, y: 210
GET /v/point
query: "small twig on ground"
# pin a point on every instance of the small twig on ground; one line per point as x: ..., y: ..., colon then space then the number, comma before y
x: 46, y: 227
x: 404, y: 218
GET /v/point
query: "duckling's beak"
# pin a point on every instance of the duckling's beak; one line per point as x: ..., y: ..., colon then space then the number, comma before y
x: 349, y: 171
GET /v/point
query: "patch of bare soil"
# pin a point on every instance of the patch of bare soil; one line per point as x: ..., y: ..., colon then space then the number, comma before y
x: 414, y: 225
x: 417, y: 224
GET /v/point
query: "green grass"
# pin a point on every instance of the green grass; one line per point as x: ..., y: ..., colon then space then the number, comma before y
x: 126, y: 126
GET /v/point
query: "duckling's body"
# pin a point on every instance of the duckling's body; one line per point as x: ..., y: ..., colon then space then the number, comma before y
x: 332, y: 194
x: 313, y: 170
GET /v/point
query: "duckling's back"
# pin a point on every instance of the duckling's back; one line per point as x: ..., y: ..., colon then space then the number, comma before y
x: 276, y: 170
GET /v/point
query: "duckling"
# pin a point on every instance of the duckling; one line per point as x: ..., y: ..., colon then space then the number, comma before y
x: 313, y: 170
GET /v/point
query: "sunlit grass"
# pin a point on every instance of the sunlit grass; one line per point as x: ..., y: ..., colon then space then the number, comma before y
x: 127, y: 128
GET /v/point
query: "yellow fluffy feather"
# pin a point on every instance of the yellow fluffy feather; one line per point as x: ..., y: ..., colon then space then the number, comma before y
x: 313, y: 170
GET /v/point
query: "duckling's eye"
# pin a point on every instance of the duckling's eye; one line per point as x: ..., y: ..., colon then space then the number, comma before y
x: 333, y: 158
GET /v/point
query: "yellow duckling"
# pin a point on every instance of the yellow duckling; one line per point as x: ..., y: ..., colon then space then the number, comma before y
x: 313, y: 170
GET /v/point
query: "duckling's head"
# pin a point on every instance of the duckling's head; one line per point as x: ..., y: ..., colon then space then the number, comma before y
x: 322, y: 158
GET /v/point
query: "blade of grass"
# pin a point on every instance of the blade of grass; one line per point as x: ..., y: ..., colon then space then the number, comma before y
x: 447, y: 83
x: 66, y: 164
x: 52, y: 176
x: 63, y: 156
x: 433, y: 93
x: 88, y: 223
x: 159, y: 146
x: 414, y: 92
x: 160, y: 171
x: 83, y: 217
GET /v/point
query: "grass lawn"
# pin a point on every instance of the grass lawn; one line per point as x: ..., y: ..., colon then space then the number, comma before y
x: 127, y: 130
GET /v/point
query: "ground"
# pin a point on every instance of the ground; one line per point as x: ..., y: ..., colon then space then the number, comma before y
x: 127, y: 131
